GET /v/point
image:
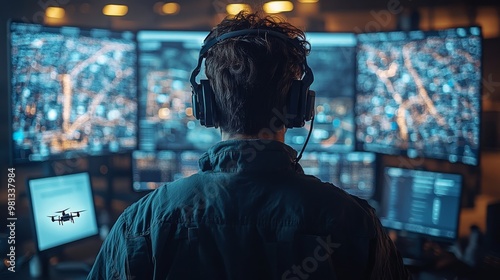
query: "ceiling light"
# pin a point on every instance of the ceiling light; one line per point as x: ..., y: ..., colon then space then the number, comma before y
x: 170, y: 8
x: 54, y: 12
x: 308, y: 1
x: 115, y: 10
x: 233, y: 9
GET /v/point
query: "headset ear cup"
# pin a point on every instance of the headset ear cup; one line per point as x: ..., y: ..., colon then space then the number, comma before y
x: 201, y: 105
x: 300, y: 107
x: 310, y: 105
x: 209, y: 113
x: 293, y: 105
x: 195, y: 105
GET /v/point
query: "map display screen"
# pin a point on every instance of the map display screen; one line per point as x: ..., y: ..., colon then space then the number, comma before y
x: 166, y: 59
x: 73, y: 91
x: 419, y: 93
x: 166, y: 121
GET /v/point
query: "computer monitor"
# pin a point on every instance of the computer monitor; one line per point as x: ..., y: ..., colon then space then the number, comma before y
x: 166, y: 121
x: 357, y: 174
x: 325, y: 166
x: 353, y: 172
x: 152, y: 169
x: 63, y: 210
x: 419, y: 93
x: 166, y: 59
x: 332, y: 60
x: 422, y: 202
x: 73, y: 91
x: 188, y: 163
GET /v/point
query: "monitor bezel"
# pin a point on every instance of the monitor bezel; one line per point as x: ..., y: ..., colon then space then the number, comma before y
x: 383, y: 188
x: 51, y: 250
x: 359, y: 145
x: 70, y: 154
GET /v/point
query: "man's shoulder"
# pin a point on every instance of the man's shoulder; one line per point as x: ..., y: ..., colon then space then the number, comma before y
x: 335, y: 195
x: 158, y: 205
x: 354, y: 211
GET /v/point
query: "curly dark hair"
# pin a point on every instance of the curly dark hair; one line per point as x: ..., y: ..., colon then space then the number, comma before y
x: 251, y: 74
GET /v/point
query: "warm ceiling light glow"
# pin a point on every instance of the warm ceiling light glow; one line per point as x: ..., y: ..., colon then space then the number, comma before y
x: 233, y: 9
x: 170, y: 8
x: 189, y: 112
x: 164, y: 113
x: 54, y: 12
x: 275, y: 7
x: 115, y: 10
x: 308, y: 1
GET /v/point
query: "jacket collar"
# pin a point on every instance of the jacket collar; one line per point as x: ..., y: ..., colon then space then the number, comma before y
x: 255, y: 154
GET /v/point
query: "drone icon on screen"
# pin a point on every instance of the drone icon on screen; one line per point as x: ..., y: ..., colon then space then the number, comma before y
x: 64, y: 217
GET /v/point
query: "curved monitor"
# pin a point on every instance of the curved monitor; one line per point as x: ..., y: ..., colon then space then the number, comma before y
x: 63, y: 209
x: 419, y: 93
x: 73, y: 91
x: 166, y: 59
x: 166, y: 121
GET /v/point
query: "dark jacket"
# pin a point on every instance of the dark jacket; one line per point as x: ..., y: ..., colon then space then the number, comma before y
x: 250, y: 213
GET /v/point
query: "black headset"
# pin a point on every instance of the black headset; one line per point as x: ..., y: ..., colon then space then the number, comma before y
x: 300, y: 100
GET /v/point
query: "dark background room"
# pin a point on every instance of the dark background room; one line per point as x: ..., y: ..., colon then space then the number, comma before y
x: 132, y: 127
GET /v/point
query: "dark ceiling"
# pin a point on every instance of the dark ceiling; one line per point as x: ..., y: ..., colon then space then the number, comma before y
x: 198, y: 13
x: 325, y: 5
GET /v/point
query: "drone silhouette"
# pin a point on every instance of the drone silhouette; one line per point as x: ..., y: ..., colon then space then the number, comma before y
x: 64, y: 217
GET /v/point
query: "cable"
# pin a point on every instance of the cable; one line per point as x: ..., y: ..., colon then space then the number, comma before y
x: 305, y: 144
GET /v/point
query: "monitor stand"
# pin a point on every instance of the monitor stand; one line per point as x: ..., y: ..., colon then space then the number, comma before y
x: 72, y: 267
x: 40, y: 267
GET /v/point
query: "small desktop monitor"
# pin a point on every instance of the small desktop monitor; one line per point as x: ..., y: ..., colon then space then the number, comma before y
x: 73, y: 91
x: 188, y: 163
x: 152, y: 169
x: 332, y: 60
x: 63, y: 210
x: 325, y: 166
x: 419, y: 93
x: 166, y: 121
x: 421, y: 202
x: 357, y: 174
x: 353, y: 172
